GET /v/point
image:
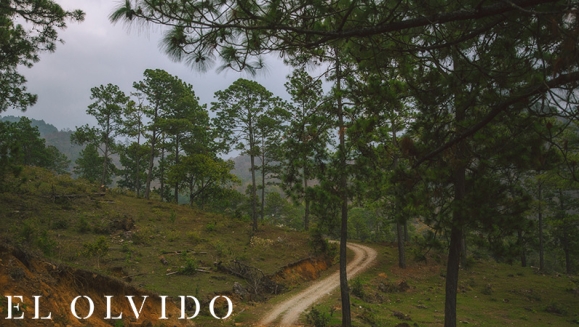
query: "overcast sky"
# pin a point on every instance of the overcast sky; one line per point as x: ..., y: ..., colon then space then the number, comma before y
x: 96, y: 52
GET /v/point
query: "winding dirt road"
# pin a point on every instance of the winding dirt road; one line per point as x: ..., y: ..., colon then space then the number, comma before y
x: 290, y: 309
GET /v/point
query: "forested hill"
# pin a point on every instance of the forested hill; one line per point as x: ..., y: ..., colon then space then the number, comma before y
x: 58, y: 138
x: 43, y: 127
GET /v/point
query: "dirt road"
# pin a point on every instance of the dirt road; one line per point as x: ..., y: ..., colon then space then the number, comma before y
x: 290, y: 309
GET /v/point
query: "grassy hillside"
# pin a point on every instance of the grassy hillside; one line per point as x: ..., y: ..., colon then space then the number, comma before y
x: 490, y: 294
x: 165, y: 248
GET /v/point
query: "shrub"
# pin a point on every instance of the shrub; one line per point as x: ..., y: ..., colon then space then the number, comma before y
x: 194, y: 237
x: 26, y: 232
x: 189, y: 268
x: 102, y: 226
x: 211, y: 227
x: 45, y: 243
x: 142, y: 236
x: 60, y: 224
x: 83, y: 227
x: 357, y: 288
x: 317, y: 318
x: 98, y: 249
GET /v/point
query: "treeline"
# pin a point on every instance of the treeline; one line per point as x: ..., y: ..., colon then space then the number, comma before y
x: 21, y: 145
x: 53, y: 136
x: 168, y: 144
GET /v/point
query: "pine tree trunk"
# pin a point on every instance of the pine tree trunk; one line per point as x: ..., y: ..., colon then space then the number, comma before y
x: 452, y: 269
x: 565, y: 238
x: 151, y: 157
x: 307, y: 200
x: 253, y: 194
x: 162, y: 171
x: 105, y: 161
x: 191, y: 192
x: 567, y: 255
x: 344, y: 289
x: 106, y: 154
x: 463, y: 258
x: 541, y: 245
x: 151, y: 165
x: 138, y: 160
x: 176, y: 163
x: 522, y: 245
x: 401, y: 250
x: 137, y: 179
x: 262, y: 187
x: 458, y: 166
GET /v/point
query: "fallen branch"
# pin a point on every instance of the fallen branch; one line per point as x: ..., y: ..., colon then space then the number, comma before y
x: 180, y: 252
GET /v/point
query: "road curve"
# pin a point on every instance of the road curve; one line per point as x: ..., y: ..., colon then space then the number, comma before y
x: 291, y: 309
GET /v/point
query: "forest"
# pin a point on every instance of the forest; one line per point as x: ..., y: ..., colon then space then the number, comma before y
x: 446, y: 125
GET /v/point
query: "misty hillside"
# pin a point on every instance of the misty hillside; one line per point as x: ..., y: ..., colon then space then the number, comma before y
x: 57, y: 138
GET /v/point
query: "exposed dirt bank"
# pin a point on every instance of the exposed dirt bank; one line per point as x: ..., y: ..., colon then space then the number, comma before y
x: 290, y: 310
x: 25, y: 275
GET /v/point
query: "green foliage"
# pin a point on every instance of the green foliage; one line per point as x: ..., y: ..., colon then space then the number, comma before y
x: 240, y: 108
x: 83, y: 226
x: 89, y: 164
x: 142, y: 236
x: 21, y: 145
x: 98, y: 249
x: 60, y: 224
x: 321, y: 246
x: 211, y: 227
x: 134, y: 165
x: 221, y: 249
x: 101, y: 226
x: 46, y: 244
x: 21, y: 45
x: 317, y: 318
x: 107, y: 108
x: 194, y: 237
x: 27, y: 231
x: 357, y: 288
x: 190, y: 267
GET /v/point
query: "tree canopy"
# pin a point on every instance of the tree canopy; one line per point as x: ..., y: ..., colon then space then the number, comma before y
x: 27, y: 28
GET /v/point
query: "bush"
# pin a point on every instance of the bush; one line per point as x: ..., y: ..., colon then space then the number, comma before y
x: 317, y: 318
x: 142, y: 236
x: 189, y: 268
x: 357, y: 288
x: 194, y: 237
x: 83, y: 227
x: 102, y: 227
x: 45, y: 243
x: 98, y: 249
x: 321, y: 246
x: 211, y: 227
x: 60, y: 224
x: 26, y: 232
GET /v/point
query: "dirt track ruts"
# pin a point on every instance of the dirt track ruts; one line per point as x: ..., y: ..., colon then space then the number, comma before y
x: 290, y: 309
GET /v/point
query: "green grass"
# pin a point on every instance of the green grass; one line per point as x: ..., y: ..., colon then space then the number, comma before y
x: 490, y: 294
x: 63, y: 225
